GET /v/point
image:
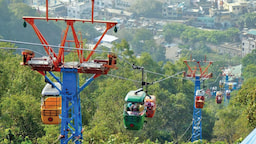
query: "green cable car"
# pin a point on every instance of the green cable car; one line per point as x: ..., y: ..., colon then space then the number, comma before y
x: 134, y: 110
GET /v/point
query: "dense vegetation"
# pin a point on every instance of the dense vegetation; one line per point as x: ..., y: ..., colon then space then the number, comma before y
x: 102, y: 101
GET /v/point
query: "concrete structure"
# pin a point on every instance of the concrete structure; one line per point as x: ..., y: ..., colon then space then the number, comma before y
x: 229, y: 49
x: 106, y: 39
x: 248, y: 42
x: 108, y: 13
x: 121, y: 4
x: 172, y: 52
x: 205, y: 22
x: 75, y: 9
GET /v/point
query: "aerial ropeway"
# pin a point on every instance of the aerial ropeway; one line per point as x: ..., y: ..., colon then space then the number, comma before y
x: 219, y: 97
x: 221, y: 84
x: 230, y: 86
x: 51, y: 104
x: 150, y: 104
x: 199, y: 99
x: 97, y: 66
x: 61, y: 100
x: 228, y: 94
x: 138, y: 106
x: 134, y: 110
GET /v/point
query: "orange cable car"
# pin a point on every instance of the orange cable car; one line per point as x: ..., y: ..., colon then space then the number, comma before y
x: 219, y: 97
x: 150, y: 104
x: 230, y: 86
x: 199, y: 99
x: 51, y: 104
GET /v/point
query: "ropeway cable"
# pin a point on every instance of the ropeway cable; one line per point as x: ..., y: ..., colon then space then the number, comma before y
x: 54, y: 46
x: 152, y: 71
x: 37, y: 44
x: 185, y: 131
x: 172, y: 76
x: 10, y: 48
x: 123, y: 78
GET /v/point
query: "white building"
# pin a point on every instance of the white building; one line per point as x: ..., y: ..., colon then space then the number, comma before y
x: 248, y: 42
x: 76, y: 9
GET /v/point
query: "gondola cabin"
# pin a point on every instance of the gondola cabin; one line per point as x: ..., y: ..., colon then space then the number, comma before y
x: 221, y: 84
x: 51, y: 104
x: 230, y: 86
x: 134, y: 110
x: 214, y: 90
x: 228, y: 94
x: 199, y: 99
x: 150, y: 104
x: 219, y: 97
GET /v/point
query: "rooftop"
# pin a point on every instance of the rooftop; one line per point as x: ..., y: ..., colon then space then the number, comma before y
x: 252, y: 32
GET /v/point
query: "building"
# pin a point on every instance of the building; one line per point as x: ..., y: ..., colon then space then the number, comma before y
x: 227, y: 49
x: 106, y: 39
x: 248, y: 42
x: 121, y: 4
x: 58, y: 10
x: 205, y: 22
x: 172, y: 52
x: 108, y: 13
x: 76, y: 9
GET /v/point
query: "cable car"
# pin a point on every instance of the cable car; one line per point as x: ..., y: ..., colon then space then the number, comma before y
x: 219, y: 97
x: 228, y: 94
x: 51, y: 104
x: 214, y: 90
x: 199, y: 99
x: 150, y: 104
x: 134, y: 110
x: 230, y: 86
x: 221, y: 84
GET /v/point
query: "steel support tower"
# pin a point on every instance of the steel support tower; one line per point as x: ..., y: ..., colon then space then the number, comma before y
x: 226, y: 101
x: 71, y: 115
x: 197, y: 114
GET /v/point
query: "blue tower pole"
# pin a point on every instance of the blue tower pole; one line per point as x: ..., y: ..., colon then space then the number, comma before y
x: 71, y: 117
x: 197, y: 116
x: 226, y: 88
x: 71, y: 123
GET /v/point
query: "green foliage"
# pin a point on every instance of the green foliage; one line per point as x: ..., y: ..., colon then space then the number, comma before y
x: 249, y: 59
x: 193, y: 35
x: 246, y: 97
x: 247, y: 21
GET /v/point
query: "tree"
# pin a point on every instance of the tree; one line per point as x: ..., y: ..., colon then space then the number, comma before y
x: 21, y: 112
x: 249, y: 71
